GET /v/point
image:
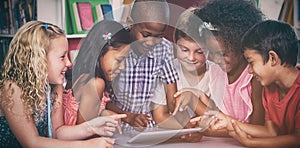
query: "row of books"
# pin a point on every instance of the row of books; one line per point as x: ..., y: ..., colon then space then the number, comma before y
x: 14, y: 13
x: 84, y: 14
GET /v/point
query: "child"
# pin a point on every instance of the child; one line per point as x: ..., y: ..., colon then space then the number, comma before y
x: 194, y: 70
x: 270, y: 48
x: 31, y: 93
x: 149, y: 60
x: 100, y: 59
x: 228, y: 21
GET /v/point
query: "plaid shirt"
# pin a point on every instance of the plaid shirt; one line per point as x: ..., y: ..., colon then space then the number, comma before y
x: 137, y: 83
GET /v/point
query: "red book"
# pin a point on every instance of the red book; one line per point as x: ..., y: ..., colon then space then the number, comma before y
x: 85, y: 15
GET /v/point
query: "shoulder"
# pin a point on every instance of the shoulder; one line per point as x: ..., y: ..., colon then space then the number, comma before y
x: 10, y: 89
x: 97, y: 84
x: 11, y: 95
x: 166, y: 42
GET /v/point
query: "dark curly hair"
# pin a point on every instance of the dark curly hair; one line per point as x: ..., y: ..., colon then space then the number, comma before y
x: 273, y: 35
x: 232, y: 18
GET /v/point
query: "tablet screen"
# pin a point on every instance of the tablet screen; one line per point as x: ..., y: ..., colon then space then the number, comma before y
x: 151, y: 136
x: 160, y: 135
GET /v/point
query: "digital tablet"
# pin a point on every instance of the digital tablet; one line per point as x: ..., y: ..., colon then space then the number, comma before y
x: 159, y: 135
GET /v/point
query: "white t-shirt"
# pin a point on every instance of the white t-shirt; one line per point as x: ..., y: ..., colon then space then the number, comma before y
x: 212, y: 84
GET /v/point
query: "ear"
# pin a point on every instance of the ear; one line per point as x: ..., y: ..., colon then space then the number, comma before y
x: 273, y: 58
x: 129, y: 22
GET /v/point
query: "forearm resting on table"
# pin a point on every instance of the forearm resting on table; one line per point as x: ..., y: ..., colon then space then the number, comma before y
x: 291, y: 140
x: 268, y: 130
x: 76, y: 132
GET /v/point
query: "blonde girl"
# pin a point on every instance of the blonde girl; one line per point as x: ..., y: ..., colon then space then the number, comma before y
x: 31, y: 112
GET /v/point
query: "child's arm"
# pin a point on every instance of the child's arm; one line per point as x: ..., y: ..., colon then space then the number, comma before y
x: 291, y: 140
x: 102, y: 126
x: 195, y: 98
x: 171, y: 89
x: 258, y: 115
x: 163, y: 118
x: 25, y: 130
x: 135, y: 120
x: 225, y: 121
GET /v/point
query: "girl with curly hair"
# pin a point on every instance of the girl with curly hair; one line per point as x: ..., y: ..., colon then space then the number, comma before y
x: 31, y: 113
x: 226, y: 22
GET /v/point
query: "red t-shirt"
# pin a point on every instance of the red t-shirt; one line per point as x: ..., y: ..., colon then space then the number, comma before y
x: 284, y: 113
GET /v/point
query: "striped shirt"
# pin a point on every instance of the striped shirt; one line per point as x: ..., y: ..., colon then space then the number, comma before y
x: 137, y: 83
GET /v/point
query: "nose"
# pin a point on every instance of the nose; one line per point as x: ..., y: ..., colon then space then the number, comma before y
x: 191, y: 56
x: 250, y: 69
x: 152, y: 41
x: 68, y: 62
x: 122, y: 65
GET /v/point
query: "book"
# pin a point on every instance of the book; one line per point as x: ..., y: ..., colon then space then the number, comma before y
x: 86, y: 11
x: 77, y: 19
x: 99, y: 13
x: 107, y: 11
x: 85, y: 15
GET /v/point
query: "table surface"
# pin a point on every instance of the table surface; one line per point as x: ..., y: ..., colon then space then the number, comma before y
x: 214, y: 142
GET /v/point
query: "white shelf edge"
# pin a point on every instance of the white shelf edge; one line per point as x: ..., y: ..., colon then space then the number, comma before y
x: 72, y: 36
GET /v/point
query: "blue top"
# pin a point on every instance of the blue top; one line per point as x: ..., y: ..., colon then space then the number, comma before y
x: 7, y: 138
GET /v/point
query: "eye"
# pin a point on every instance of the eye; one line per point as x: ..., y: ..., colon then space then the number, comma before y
x: 146, y: 35
x: 63, y: 57
x: 119, y: 60
x: 199, y: 51
x: 183, y: 49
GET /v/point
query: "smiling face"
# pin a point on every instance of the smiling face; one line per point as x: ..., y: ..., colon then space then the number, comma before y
x: 57, y: 60
x: 190, y: 55
x: 146, y: 35
x: 260, y: 70
x: 113, y: 61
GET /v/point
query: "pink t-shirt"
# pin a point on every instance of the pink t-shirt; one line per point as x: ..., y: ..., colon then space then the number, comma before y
x: 71, y: 106
x: 237, y: 99
x: 285, y: 113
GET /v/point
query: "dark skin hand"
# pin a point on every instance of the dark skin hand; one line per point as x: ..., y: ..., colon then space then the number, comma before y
x: 138, y: 121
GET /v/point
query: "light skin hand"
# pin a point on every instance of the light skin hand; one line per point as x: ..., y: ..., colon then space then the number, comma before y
x: 192, y: 137
x: 222, y: 121
x: 105, y: 125
x: 101, y: 142
x: 184, y: 97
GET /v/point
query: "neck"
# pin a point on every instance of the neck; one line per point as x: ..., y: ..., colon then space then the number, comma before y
x: 194, y: 77
x: 287, y: 77
x: 234, y: 74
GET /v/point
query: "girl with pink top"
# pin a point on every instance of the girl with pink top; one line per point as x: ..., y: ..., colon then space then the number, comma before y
x: 226, y: 22
x: 271, y: 48
x: 99, y: 61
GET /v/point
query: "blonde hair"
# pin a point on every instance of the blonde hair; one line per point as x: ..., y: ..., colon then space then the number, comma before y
x: 26, y: 65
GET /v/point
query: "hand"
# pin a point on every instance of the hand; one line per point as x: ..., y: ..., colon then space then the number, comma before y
x: 191, y: 137
x: 105, y: 125
x: 238, y: 134
x: 184, y: 97
x: 106, y: 112
x: 138, y: 121
x: 100, y: 142
x: 213, y: 119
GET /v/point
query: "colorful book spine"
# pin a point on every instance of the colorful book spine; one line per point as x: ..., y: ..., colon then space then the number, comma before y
x: 85, y: 15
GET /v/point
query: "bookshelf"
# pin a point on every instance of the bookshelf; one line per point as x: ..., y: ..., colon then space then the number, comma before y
x: 57, y: 12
